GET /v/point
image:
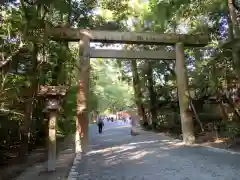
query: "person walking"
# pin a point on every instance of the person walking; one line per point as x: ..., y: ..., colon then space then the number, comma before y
x: 100, y: 124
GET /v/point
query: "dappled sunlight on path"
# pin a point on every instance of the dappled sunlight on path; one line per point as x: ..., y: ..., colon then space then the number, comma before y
x: 116, y: 155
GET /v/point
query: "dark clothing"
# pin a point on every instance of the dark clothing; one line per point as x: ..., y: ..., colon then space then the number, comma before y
x: 100, y: 127
x: 100, y: 124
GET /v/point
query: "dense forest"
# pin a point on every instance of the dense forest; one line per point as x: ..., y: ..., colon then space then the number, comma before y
x: 29, y: 59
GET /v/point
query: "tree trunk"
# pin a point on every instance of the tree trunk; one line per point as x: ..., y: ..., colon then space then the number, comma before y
x: 233, y: 16
x: 152, y: 95
x: 230, y: 28
x: 234, y: 32
x: 61, y: 68
x: 218, y: 95
x: 120, y: 74
x: 30, y: 103
x: 55, y: 72
x: 138, y: 93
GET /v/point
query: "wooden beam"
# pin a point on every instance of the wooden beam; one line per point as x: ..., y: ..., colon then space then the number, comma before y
x: 71, y: 34
x: 126, y: 54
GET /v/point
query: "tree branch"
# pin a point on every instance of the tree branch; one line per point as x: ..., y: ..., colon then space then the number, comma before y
x: 4, y: 63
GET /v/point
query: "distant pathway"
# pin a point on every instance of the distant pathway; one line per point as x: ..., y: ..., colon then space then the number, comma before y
x: 116, y: 155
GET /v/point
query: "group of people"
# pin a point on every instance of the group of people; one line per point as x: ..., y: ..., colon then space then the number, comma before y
x: 100, y: 122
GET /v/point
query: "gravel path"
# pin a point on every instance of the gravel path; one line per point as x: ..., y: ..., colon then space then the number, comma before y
x: 116, y: 155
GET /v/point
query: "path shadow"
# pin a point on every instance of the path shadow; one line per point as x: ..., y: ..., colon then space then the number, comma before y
x: 141, y: 157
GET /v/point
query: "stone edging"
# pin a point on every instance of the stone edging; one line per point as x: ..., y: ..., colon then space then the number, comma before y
x: 73, y: 174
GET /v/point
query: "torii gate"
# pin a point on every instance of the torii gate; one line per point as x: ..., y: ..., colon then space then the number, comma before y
x: 85, y: 53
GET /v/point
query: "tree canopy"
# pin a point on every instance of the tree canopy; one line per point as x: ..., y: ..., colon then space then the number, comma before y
x: 29, y: 59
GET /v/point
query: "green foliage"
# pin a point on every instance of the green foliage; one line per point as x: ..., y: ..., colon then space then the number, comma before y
x: 233, y: 129
x: 69, y: 105
x: 110, y: 92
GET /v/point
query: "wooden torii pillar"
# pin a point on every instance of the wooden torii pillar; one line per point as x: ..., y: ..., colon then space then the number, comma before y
x: 82, y: 119
x: 183, y: 96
